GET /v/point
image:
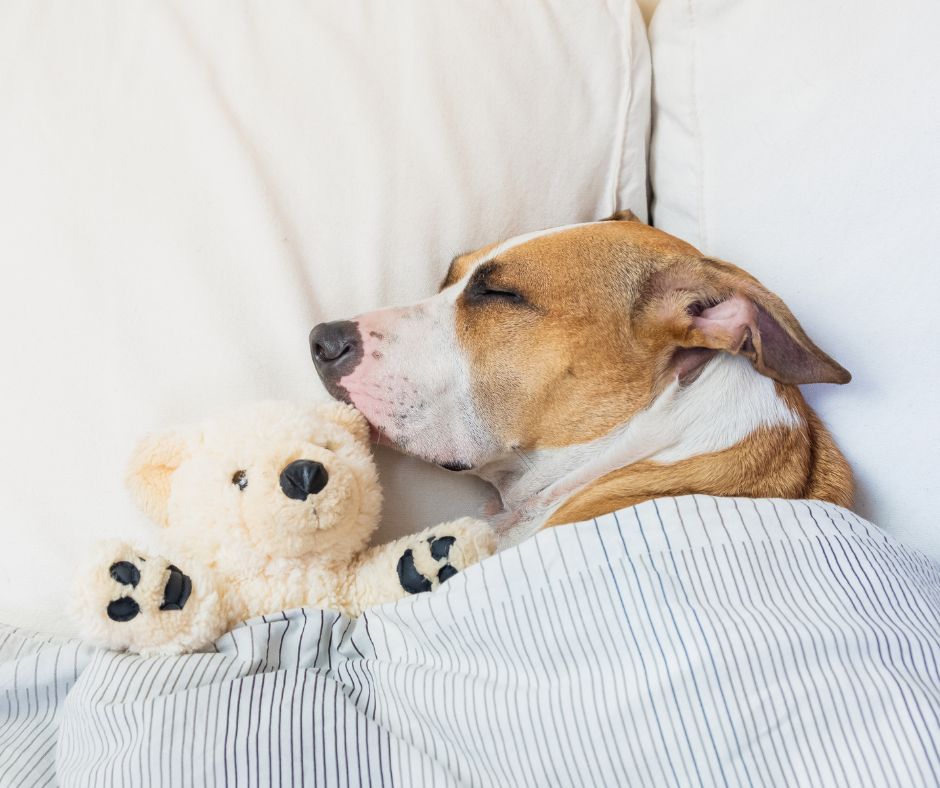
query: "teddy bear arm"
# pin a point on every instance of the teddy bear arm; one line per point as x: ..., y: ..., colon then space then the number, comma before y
x: 414, y: 564
x: 372, y: 578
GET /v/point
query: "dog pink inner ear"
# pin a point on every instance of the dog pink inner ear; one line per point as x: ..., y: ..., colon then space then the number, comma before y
x: 741, y: 326
x: 728, y: 324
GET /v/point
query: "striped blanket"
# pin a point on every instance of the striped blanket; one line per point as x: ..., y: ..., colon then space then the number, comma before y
x: 691, y: 641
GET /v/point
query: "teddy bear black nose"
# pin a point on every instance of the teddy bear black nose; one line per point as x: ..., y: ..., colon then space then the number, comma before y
x: 302, y: 478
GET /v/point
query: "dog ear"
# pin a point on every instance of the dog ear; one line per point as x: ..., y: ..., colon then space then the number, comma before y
x: 625, y: 215
x: 348, y: 418
x: 711, y: 306
x: 151, y: 465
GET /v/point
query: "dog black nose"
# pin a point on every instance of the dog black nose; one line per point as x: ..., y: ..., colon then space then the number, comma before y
x: 335, y: 345
x: 302, y: 478
x: 336, y: 349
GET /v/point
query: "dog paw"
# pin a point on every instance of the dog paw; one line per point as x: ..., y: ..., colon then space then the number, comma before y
x: 144, y: 603
x: 441, y: 552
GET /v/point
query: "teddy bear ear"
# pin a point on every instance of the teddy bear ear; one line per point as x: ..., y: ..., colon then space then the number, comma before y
x: 348, y: 418
x: 151, y: 465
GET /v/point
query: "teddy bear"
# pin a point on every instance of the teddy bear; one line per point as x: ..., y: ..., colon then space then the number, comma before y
x: 266, y: 508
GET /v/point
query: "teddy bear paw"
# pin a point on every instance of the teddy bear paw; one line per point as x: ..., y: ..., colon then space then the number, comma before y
x: 176, y: 590
x: 441, y: 552
x: 144, y: 603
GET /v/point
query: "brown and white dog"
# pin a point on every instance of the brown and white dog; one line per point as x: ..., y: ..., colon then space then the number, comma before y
x: 586, y: 368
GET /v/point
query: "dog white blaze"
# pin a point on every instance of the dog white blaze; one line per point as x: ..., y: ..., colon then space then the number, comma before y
x: 519, y: 240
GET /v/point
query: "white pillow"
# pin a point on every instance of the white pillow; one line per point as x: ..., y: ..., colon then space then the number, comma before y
x: 187, y: 188
x: 801, y: 140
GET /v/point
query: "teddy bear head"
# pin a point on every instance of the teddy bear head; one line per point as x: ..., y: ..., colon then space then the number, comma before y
x: 271, y: 480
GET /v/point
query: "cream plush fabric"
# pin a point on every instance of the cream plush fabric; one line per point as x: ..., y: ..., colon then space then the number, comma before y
x: 187, y: 188
x: 799, y: 140
x: 247, y: 532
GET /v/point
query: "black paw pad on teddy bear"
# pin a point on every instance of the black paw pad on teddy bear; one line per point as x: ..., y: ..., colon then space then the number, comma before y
x: 414, y: 581
x: 176, y: 591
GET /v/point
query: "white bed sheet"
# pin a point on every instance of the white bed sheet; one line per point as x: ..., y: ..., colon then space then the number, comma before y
x: 685, y: 641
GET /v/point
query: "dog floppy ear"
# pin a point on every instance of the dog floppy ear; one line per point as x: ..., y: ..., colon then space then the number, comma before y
x: 712, y: 306
x: 151, y: 465
x: 347, y: 417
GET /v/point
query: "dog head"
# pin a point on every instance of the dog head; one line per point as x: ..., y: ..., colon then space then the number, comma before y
x: 553, y: 339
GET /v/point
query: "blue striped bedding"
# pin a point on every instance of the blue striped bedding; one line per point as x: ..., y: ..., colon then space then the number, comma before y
x: 686, y: 641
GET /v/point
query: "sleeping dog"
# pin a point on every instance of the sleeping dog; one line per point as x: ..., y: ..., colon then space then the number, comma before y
x: 590, y: 367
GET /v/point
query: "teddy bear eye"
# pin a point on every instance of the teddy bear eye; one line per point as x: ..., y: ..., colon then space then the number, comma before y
x: 240, y: 479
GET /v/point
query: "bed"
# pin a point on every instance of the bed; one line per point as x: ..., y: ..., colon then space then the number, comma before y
x: 684, y: 641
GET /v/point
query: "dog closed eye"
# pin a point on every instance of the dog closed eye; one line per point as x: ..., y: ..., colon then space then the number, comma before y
x: 483, y: 287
